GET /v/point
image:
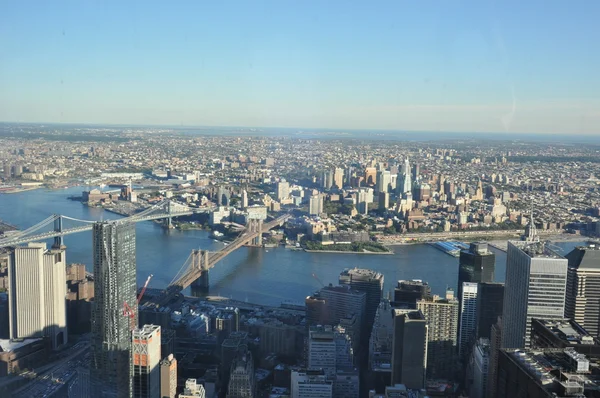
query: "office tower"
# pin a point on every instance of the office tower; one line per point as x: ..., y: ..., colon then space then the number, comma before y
x: 583, y: 287
x: 370, y: 282
x: 481, y: 358
x: 476, y: 264
x: 344, y: 353
x: 37, y: 287
x: 536, y: 278
x: 406, y: 179
x: 341, y: 301
x: 338, y: 178
x: 370, y: 176
x: 363, y: 199
x: 193, y: 390
x: 326, y: 179
x: 283, y: 190
x: 168, y: 377
x: 409, y: 348
x: 7, y: 169
x: 441, y: 315
x: 490, y: 299
x: 315, y: 205
x: 468, y: 318
x: 495, y: 344
x: 407, y: 293
x: 244, y: 199
x: 384, y: 178
x: 230, y: 349
x: 382, y: 335
x: 145, y: 349
x: 311, y: 384
x: 241, y: 379
x: 346, y: 384
x: 316, y: 311
x: 113, y: 249
x: 544, y: 373
x: 415, y: 171
x: 384, y: 201
x: 322, y: 350
x: 563, y: 333
x: 223, y: 196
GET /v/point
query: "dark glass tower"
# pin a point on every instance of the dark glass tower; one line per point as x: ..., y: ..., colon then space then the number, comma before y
x: 370, y: 282
x: 407, y: 293
x: 476, y: 265
x: 490, y: 300
x: 115, y: 284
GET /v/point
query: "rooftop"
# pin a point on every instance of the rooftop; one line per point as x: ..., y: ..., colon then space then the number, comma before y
x: 11, y: 345
x: 568, y: 330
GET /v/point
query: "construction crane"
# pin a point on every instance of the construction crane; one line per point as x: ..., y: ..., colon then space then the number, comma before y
x: 127, y: 311
x: 318, y: 280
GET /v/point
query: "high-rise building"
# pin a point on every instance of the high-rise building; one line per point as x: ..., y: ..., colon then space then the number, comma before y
x: 370, y: 282
x: 536, y: 278
x: 441, y: 315
x: 37, y: 287
x: 311, y: 384
x: 241, y: 380
x: 114, y: 286
x: 406, y: 179
x: 346, y: 384
x: 481, y: 358
x: 384, y: 178
x: 283, y: 190
x: 495, y: 344
x: 315, y: 204
x: 322, y: 350
x: 145, y: 354
x: 338, y: 178
x: 407, y: 293
x: 468, y: 318
x: 382, y: 335
x: 583, y: 287
x: 244, y: 199
x: 409, y: 348
x: 168, y: 377
x: 327, y: 179
x: 476, y: 264
x: 384, y: 201
x: 490, y: 299
x: 193, y: 390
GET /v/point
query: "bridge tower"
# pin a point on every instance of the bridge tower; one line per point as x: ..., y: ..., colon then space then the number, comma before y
x: 58, y: 227
x: 255, y: 226
x: 200, y: 261
x: 169, y: 220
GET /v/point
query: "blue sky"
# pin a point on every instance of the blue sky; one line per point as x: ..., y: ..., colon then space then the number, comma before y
x: 468, y: 66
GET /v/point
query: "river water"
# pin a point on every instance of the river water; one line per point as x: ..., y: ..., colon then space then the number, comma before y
x: 249, y: 274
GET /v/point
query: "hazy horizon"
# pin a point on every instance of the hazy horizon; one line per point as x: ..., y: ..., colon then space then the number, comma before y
x: 471, y: 66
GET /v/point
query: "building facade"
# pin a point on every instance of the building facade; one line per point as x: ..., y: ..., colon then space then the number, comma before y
x: 409, y: 348
x: 583, y: 287
x: 115, y: 284
x: 168, y: 377
x: 145, y: 354
x: 310, y: 384
x: 370, y: 282
x: 241, y: 380
x: 468, y: 318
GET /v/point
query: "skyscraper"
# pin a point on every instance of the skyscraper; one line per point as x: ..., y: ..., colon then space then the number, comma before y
x: 583, y: 287
x: 146, y: 358
x: 322, y: 350
x: 468, y: 318
x: 244, y: 199
x: 495, y: 344
x: 441, y: 315
x: 409, y: 348
x: 476, y: 264
x: 370, y: 282
x: 406, y: 179
x: 283, y: 190
x: 490, y: 300
x: 384, y: 178
x: 37, y: 293
x: 168, y: 377
x: 535, y: 288
x: 338, y: 177
x: 241, y: 379
x: 315, y: 205
x: 115, y: 284
x: 407, y: 293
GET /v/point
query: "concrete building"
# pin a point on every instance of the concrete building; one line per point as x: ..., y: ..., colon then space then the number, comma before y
x: 145, y: 354
x: 310, y: 384
x: 338, y: 177
x: 467, y: 318
x: 481, y: 358
x: 563, y: 333
x: 241, y: 379
x: 370, y: 282
x: 583, y: 287
x: 382, y: 338
x: 315, y: 205
x: 113, y: 249
x: 407, y: 293
x: 441, y: 315
x: 409, y: 348
x: 535, y: 288
x: 283, y: 190
x: 383, y: 181
x: 168, y: 377
x: 193, y: 390
x: 384, y: 201
x: 37, y: 293
x: 346, y: 384
x: 244, y: 202
x: 495, y: 344
x: 322, y: 350
x: 405, y: 179
x: 18, y: 355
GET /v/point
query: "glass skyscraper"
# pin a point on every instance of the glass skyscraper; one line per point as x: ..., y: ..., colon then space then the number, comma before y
x: 115, y: 285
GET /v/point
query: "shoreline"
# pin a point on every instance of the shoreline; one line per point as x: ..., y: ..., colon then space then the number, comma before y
x: 345, y: 252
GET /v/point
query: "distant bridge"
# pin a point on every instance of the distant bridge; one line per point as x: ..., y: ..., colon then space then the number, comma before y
x: 57, y: 223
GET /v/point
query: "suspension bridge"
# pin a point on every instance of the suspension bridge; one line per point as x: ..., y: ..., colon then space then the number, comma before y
x: 56, y: 226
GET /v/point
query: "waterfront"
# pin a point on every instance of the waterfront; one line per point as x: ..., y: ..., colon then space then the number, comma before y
x: 249, y: 274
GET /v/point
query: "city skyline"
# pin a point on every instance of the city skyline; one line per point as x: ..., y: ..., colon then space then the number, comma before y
x: 477, y: 68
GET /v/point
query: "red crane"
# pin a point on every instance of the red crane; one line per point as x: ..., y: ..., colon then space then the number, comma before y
x: 127, y: 311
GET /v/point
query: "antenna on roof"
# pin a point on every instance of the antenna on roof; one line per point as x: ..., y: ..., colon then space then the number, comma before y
x: 532, y: 235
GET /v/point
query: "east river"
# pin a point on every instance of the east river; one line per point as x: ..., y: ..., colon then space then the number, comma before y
x: 256, y: 275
